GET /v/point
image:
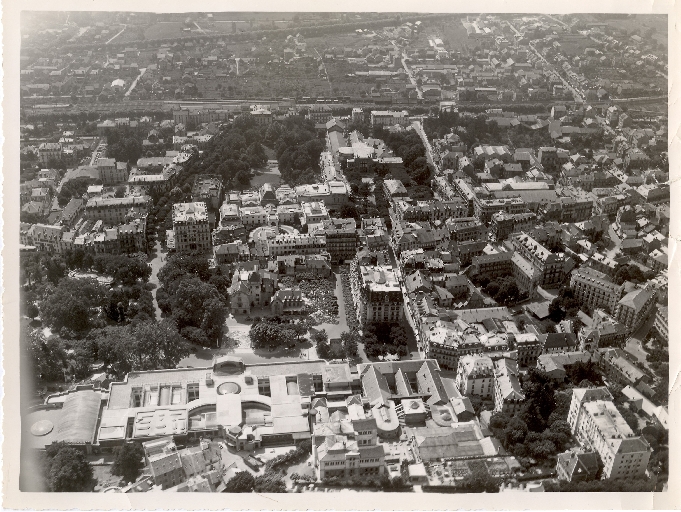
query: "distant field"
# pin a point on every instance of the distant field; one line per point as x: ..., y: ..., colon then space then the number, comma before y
x: 454, y: 35
x: 164, y: 30
x: 641, y: 23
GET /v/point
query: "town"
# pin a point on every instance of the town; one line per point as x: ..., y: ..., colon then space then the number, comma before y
x: 325, y: 252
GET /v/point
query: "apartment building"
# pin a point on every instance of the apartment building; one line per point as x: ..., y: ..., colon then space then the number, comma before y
x: 207, y: 189
x: 286, y: 244
x: 598, y: 426
x: 112, y: 172
x: 475, y: 376
x: 45, y: 237
x: 465, y: 229
x: 48, y: 151
x: 529, y: 347
x: 508, y: 393
x: 389, y: 118
x: 253, y: 216
x: 113, y: 210
x: 661, y: 324
x: 595, y: 289
x: 191, y: 227
x: 549, y: 265
x: 503, y: 224
x: 493, y: 265
x: 376, y: 292
x: 635, y: 307
x: 485, y: 208
x: 313, y: 212
x: 341, y: 238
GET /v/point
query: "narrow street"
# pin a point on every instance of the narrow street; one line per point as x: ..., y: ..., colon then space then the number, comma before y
x: 157, y: 264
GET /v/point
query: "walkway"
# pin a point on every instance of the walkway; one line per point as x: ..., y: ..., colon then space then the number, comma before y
x: 142, y: 70
x: 114, y: 37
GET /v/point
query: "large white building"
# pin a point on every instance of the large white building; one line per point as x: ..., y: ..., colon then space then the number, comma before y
x: 191, y: 227
x: 475, y: 376
x: 377, y: 294
x: 595, y: 289
x: 389, y: 118
x: 287, y: 244
x: 598, y: 426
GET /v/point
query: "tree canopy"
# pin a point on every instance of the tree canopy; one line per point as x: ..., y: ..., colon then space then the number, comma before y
x: 67, y: 470
x: 148, y: 345
x: 128, y: 461
x: 72, y: 304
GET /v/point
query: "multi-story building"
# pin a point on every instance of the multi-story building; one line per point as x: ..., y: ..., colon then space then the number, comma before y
x: 493, y: 265
x: 346, y: 446
x: 661, y: 324
x: 447, y: 342
x: 191, y: 227
x: 333, y: 194
x: 287, y: 244
x: 341, y: 238
x: 465, y: 229
x: 389, y: 118
x: 503, y: 224
x: 45, y: 237
x: 594, y: 289
x: 485, y: 208
x: 319, y: 114
x: 529, y: 348
x: 253, y: 216
x: 207, y: 189
x: 48, y: 151
x: 289, y: 213
x: 599, y: 426
x: 313, y: 213
x: 112, y: 172
x: 475, y: 376
x: 508, y: 393
x: 619, y: 370
x: 377, y: 294
x: 549, y: 265
x: 113, y: 210
x: 635, y: 307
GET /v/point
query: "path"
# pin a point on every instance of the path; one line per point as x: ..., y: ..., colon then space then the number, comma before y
x: 200, y: 29
x: 634, y: 342
x: 426, y: 143
x: 134, y: 83
x: 325, y: 72
x: 114, y: 37
x: 157, y: 264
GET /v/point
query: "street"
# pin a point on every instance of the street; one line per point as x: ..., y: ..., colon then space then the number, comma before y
x: 156, y: 264
x: 633, y: 345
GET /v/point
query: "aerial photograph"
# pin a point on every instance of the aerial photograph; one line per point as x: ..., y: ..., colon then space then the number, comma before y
x: 338, y: 252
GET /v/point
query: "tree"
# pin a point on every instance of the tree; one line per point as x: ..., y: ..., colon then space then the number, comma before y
x: 128, y: 461
x: 199, y: 304
x: 269, y: 482
x: 148, y: 345
x: 241, y: 482
x: 71, y: 304
x: 67, y: 469
x: 479, y: 480
x: 47, y: 357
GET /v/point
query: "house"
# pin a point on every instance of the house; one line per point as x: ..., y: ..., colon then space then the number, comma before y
x: 287, y: 301
x: 577, y: 466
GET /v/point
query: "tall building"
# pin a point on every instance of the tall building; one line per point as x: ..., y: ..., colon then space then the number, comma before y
x: 475, y: 376
x: 634, y: 308
x: 376, y: 293
x: 598, y: 426
x: 113, y: 210
x: 341, y: 238
x: 191, y: 227
x: 548, y: 264
x: 595, y: 289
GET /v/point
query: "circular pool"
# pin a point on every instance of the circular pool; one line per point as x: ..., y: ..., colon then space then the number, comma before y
x: 229, y: 388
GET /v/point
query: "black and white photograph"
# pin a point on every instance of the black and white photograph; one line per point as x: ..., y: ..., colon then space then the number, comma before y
x: 342, y: 253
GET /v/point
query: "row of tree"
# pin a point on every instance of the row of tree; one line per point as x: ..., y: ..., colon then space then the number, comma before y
x: 194, y: 297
